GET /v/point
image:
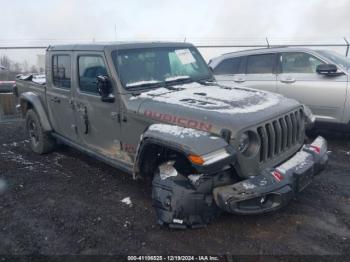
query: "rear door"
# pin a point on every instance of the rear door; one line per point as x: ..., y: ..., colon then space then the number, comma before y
x: 59, y: 94
x: 298, y: 79
x: 261, y: 72
x: 98, y: 122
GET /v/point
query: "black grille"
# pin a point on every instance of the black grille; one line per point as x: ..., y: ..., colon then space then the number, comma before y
x: 280, y: 134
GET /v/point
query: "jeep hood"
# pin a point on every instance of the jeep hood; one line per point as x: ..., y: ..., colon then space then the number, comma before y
x: 234, y: 108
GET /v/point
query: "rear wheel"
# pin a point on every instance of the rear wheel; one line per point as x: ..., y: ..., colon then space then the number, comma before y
x: 1, y: 112
x: 41, y: 142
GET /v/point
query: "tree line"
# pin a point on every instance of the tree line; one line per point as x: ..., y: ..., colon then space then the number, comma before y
x: 9, y: 68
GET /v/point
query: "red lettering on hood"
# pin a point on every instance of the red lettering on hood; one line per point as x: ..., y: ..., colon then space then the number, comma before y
x: 181, y: 121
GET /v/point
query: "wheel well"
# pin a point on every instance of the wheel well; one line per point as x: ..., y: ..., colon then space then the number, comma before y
x: 152, y: 155
x: 25, y: 106
x: 1, y: 111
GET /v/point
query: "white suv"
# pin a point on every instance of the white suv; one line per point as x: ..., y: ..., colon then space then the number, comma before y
x: 316, y: 78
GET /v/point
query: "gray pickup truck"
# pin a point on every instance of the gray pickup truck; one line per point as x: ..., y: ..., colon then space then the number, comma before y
x: 154, y: 110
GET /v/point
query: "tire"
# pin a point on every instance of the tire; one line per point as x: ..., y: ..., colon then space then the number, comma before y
x: 1, y: 112
x: 41, y: 142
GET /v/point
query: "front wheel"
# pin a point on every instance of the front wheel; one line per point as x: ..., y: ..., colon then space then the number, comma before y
x: 41, y: 142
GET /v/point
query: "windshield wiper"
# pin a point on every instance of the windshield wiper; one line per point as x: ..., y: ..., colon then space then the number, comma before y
x: 178, y: 79
x: 206, y: 80
x: 151, y: 83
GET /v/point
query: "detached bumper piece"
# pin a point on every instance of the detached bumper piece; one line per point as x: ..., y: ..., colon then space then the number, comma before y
x: 274, y: 188
x: 182, y: 203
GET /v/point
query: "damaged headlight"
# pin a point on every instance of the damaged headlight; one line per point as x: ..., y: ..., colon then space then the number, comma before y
x: 243, y: 142
x: 248, y: 143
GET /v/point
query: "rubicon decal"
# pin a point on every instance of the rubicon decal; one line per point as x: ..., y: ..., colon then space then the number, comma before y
x: 179, y: 120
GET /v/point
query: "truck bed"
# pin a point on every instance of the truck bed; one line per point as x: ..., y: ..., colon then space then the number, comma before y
x: 24, y: 85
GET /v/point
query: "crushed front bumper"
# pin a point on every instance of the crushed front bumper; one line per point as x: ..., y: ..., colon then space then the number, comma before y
x: 274, y: 188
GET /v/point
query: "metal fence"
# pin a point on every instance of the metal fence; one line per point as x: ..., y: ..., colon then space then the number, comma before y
x: 267, y: 44
x: 27, y: 54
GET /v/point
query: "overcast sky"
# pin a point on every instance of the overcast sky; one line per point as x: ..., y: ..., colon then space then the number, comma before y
x: 200, y: 21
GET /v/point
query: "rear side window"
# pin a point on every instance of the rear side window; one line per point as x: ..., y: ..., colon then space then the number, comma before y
x: 228, y: 66
x: 89, y: 68
x: 260, y: 64
x: 61, y: 71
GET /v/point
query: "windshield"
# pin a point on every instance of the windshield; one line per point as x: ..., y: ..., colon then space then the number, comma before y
x: 150, y: 67
x: 336, y: 58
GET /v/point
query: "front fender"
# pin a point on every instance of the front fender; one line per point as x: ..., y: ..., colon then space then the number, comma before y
x: 187, y: 141
x: 34, y: 100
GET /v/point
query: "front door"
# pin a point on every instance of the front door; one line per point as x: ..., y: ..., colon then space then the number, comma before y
x: 98, y: 122
x: 230, y: 72
x: 59, y: 95
x: 298, y: 79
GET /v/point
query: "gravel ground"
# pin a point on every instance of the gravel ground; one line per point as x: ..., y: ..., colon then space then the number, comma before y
x: 68, y: 203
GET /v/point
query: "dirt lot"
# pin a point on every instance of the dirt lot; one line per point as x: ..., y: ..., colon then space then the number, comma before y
x: 68, y: 203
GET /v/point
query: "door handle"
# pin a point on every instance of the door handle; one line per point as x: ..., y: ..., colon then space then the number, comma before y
x: 288, y: 80
x: 55, y: 99
x: 239, y: 80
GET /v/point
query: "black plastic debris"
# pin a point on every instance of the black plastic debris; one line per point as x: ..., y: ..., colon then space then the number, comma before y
x: 181, y: 204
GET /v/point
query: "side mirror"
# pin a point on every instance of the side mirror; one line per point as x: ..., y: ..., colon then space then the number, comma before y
x: 104, y: 89
x: 327, y: 69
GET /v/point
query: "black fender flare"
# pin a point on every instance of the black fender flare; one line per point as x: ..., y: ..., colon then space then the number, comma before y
x: 35, y: 101
x: 185, y: 141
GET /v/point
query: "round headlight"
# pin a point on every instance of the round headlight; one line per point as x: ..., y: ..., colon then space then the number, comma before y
x: 248, y: 143
x: 243, y: 142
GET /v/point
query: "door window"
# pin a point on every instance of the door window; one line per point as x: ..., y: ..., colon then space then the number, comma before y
x: 299, y: 63
x: 260, y: 64
x: 228, y: 66
x: 61, y: 71
x: 89, y: 68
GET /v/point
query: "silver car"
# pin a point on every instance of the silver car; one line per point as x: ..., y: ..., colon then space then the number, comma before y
x: 316, y: 78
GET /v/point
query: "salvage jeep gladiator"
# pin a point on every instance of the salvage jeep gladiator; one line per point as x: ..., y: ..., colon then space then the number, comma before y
x: 154, y: 110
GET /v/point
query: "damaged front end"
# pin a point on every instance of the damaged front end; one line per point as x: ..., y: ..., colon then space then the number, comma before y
x: 186, y: 201
x: 195, y: 200
x: 183, y: 201
x: 275, y: 187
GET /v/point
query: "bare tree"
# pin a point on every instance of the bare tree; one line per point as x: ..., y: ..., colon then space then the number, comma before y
x: 25, y: 66
x: 5, y: 62
x: 16, y: 67
x: 33, y: 69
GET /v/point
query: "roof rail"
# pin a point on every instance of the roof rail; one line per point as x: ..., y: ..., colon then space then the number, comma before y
x: 257, y: 49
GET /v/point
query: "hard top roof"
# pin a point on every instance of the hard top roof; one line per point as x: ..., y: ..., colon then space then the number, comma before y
x: 100, y: 46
